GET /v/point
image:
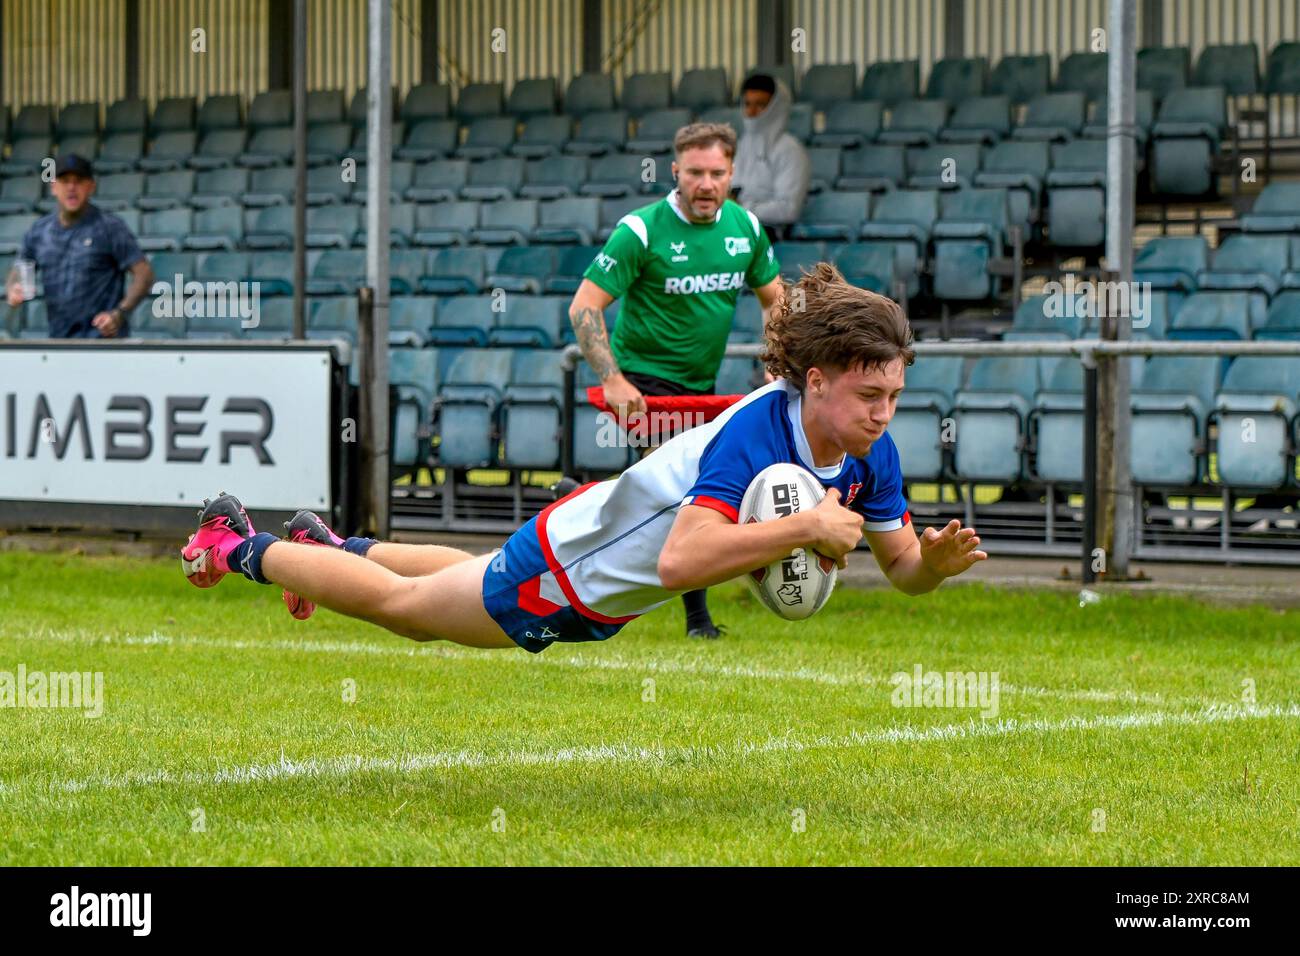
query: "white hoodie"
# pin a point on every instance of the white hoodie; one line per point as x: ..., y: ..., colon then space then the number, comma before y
x: 772, y: 168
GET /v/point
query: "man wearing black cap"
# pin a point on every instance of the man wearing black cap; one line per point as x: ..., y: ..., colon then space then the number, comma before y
x: 80, y: 253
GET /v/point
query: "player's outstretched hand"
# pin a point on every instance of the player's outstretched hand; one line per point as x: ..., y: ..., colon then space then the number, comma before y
x: 951, y: 551
x: 836, y: 529
x: 623, y: 397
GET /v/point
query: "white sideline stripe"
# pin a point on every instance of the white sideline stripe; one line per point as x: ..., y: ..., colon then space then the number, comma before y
x: 353, y: 764
x: 581, y: 661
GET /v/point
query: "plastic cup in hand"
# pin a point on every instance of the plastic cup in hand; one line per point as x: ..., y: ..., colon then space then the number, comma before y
x: 26, y: 278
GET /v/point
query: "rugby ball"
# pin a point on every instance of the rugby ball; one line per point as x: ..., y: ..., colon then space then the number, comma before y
x: 798, y: 586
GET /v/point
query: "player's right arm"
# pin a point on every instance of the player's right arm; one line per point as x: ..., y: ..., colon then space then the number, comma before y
x: 587, y: 315
x: 706, y: 547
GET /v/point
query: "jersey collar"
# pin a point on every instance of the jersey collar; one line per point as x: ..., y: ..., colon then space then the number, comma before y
x: 672, y: 201
x: 794, y: 408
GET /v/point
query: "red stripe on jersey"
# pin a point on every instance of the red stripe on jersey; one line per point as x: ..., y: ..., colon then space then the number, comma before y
x: 704, y: 501
x: 558, y: 570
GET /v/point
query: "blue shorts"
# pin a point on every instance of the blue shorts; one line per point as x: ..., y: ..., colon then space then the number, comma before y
x: 511, y: 595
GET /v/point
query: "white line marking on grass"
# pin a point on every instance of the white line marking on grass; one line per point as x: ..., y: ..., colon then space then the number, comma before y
x: 321, y: 768
x: 579, y: 660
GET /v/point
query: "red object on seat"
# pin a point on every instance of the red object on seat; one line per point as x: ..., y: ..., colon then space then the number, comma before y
x: 671, y: 413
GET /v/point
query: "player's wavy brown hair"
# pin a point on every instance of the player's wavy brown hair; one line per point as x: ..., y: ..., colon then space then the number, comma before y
x: 824, y: 322
x: 704, y: 135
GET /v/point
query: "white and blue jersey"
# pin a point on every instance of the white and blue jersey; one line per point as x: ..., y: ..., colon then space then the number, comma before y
x: 589, y: 563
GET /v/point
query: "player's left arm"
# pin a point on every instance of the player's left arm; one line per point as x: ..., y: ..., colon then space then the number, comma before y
x: 770, y: 297
x: 917, y: 565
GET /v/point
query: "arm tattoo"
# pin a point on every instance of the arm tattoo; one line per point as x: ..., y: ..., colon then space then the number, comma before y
x: 589, y: 327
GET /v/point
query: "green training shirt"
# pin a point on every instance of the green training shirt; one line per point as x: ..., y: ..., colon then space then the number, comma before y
x: 679, y: 281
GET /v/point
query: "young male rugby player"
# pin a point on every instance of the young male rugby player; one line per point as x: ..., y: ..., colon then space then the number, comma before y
x: 614, y: 550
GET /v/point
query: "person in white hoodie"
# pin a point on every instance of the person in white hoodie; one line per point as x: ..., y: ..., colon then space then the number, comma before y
x: 772, y: 167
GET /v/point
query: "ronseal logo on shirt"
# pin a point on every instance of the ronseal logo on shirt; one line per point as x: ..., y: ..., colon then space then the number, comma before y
x: 737, y: 245
x: 713, y: 282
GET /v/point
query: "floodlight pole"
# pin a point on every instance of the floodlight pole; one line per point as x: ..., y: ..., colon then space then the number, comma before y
x: 379, y: 133
x: 299, y: 168
x: 1116, y: 486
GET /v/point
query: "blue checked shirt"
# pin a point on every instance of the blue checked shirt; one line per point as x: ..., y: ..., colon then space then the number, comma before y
x: 80, y: 269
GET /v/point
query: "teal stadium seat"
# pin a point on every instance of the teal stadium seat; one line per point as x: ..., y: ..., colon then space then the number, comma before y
x: 871, y: 168
x: 954, y: 79
x: 915, y: 123
x: 917, y: 426
x: 1185, y: 141
x: 891, y: 81
x: 1170, y: 409
x: 991, y: 417
x: 1255, y: 413
x: 1021, y: 78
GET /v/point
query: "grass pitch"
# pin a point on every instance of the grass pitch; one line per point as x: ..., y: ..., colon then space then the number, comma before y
x: 231, y: 734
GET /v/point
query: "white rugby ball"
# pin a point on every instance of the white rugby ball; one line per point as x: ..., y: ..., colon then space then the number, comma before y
x: 798, y: 586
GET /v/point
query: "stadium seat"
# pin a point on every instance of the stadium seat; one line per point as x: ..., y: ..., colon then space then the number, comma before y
x: 1254, y: 411
x: 747, y: 321
x: 532, y: 97
x: 171, y: 150
x: 1083, y: 73
x: 464, y: 321
x: 1021, y: 78
x: 656, y: 129
x: 945, y: 166
x: 494, y: 179
x: 1019, y: 167
x: 119, y: 191
x: 273, y: 271
x: 573, y: 220
x: 1162, y: 70
x: 553, y: 177
x: 333, y: 317
x: 1185, y: 141
x: 26, y: 155
x: 1034, y: 317
x: 337, y: 272
x: 905, y: 219
x: 530, y: 322
x: 429, y: 139
x: 410, y: 318
x: 991, y: 415
x: 612, y: 210
x: 1217, y: 315
x: 423, y: 101
x: 168, y: 265
x: 871, y: 168
x: 868, y: 265
x: 401, y: 174
x: 599, y: 133
x: 618, y: 174
x: 119, y: 153
x: 795, y: 257
x: 1053, y: 116
x: 86, y: 146
x: 568, y: 274
x: 165, y: 229
x: 800, y: 123
x: 1232, y: 66
x: 531, y: 410
x: 437, y: 181
x: 523, y: 269
x: 220, y: 112
x: 827, y: 83
x: 477, y: 100
x: 590, y: 453
x: 954, y: 79
x: 216, y: 228
x: 166, y: 190
x: 1056, y: 426
x: 915, y: 123
x: 543, y: 136
x: 1276, y: 210
x: 332, y: 226
x: 270, y: 146
x: 849, y: 124
x: 467, y: 407
x: 270, y: 227
x: 218, y: 148
x: 324, y: 108
x: 1172, y: 263
x: 272, y: 186
x: 702, y: 89
x: 646, y: 92
x: 20, y: 194
x: 824, y: 163
x: 1282, y: 321
x: 918, y: 422
x: 1282, y: 73
x: 832, y: 215
x: 405, y: 267
x: 413, y: 373
x: 126, y: 116
x: 1250, y: 263
x: 1167, y: 444
x: 969, y: 236
x: 328, y: 144
x: 444, y: 224
x: 891, y: 82
x: 1076, y: 194
x: 732, y: 116
x: 589, y: 93
x: 455, y: 270
x: 979, y: 119
x: 326, y: 185
x: 221, y: 267
x: 1144, y: 112
x: 488, y: 138
x: 274, y: 320
x: 510, y: 221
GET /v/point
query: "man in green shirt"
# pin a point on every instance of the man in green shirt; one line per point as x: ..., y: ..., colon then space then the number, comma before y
x: 678, y: 264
